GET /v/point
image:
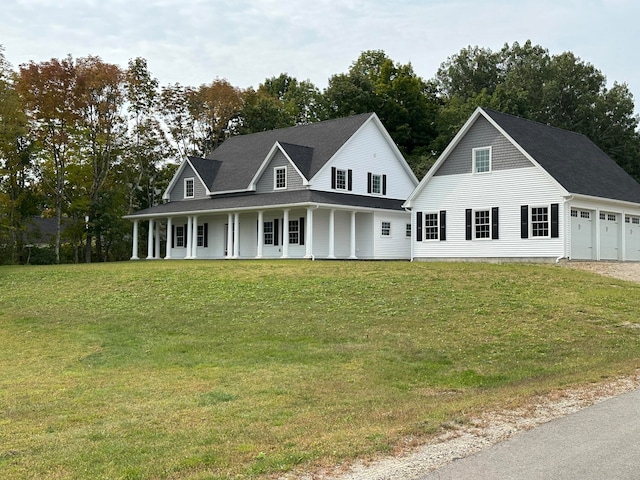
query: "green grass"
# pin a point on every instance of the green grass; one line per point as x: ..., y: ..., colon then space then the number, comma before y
x: 222, y: 369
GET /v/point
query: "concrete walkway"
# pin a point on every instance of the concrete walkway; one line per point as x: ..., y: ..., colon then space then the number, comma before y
x: 597, y: 443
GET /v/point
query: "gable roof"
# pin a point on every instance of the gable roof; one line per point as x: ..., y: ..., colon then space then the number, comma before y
x: 576, y: 163
x: 309, y: 147
x: 571, y: 158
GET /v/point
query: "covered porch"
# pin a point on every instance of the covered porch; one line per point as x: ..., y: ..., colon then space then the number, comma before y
x: 311, y: 231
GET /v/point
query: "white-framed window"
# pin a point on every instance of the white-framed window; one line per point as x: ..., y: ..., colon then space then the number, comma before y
x: 540, y: 222
x: 574, y: 213
x: 201, y: 235
x: 612, y: 217
x: 482, y: 224
x: 280, y: 178
x: 189, y: 191
x: 385, y: 229
x: 341, y: 179
x: 407, y: 230
x: 584, y: 214
x: 376, y: 184
x: 431, y: 226
x: 294, y: 232
x: 180, y: 236
x: 268, y: 233
x: 482, y: 160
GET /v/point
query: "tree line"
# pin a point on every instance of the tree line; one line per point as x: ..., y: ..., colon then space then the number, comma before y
x: 86, y: 142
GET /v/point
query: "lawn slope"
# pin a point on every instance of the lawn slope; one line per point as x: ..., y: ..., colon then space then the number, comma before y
x: 224, y: 369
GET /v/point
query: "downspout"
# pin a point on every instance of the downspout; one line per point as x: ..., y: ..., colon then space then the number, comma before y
x: 408, y: 209
x: 567, y: 220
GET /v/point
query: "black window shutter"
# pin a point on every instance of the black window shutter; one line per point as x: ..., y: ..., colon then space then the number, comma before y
x: 494, y: 223
x: 369, y: 177
x: 333, y: 177
x: 276, y: 233
x: 301, y: 231
x: 524, y: 221
x: 349, y: 179
x: 173, y: 236
x: 186, y: 236
x: 468, y: 215
x: 418, y: 226
x: 554, y: 221
x: 443, y: 225
x: 384, y: 184
x: 206, y: 235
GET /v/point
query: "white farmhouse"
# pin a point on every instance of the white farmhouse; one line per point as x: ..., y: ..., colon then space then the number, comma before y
x: 332, y: 189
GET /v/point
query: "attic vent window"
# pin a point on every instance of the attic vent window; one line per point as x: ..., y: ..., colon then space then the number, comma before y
x: 188, y: 188
x: 482, y: 160
x: 280, y: 176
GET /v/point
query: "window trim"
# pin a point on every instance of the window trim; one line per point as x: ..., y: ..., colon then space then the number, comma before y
x: 548, y: 221
x: 477, y: 150
x: 294, y: 232
x: 337, y: 173
x: 487, y: 224
x: 180, y: 237
x: 426, y: 229
x: 382, y: 228
x: 193, y: 187
x: 275, y: 177
x: 268, y: 229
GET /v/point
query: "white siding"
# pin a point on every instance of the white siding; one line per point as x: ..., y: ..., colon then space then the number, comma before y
x: 507, y: 190
x: 368, y: 151
x: 397, y: 245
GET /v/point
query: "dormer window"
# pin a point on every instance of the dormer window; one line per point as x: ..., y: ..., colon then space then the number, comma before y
x: 482, y: 160
x: 188, y: 188
x: 280, y: 178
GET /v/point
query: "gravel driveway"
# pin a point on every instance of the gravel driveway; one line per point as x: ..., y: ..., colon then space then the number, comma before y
x: 491, y: 427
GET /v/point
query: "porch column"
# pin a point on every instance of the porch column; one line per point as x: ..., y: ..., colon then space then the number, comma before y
x: 194, y: 241
x: 230, y: 235
x: 236, y: 233
x: 134, y: 253
x: 332, y: 233
x: 308, y: 241
x: 150, y: 240
x: 260, y: 233
x: 285, y: 233
x: 156, y: 252
x: 188, y: 237
x: 169, y: 238
x: 353, y: 236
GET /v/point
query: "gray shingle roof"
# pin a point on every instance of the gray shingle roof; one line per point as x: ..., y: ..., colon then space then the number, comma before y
x: 252, y: 200
x: 571, y: 158
x: 309, y: 146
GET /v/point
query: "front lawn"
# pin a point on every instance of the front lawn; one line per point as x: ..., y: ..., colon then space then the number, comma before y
x: 242, y: 369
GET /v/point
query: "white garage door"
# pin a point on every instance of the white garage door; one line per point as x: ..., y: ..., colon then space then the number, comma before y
x: 632, y: 237
x: 582, y: 234
x: 609, y: 236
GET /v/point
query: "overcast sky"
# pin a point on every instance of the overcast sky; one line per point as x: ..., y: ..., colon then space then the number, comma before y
x: 192, y: 42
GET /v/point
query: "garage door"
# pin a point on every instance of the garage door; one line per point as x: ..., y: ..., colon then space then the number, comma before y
x: 582, y: 234
x: 609, y: 236
x: 632, y: 237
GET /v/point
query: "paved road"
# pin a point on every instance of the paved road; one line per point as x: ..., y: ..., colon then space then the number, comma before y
x: 601, y: 442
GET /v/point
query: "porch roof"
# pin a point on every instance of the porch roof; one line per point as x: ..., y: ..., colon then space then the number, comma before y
x: 258, y: 201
